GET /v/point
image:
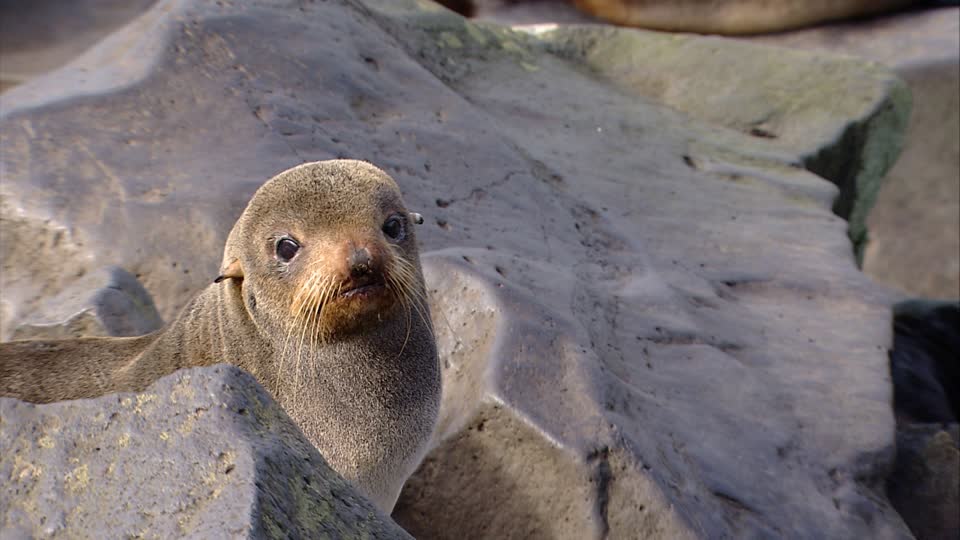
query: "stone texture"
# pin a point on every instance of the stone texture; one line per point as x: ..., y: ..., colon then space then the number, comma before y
x: 41, y: 35
x: 649, y: 316
x: 202, y: 453
x: 925, y: 366
x: 915, y: 243
x: 107, y: 302
x: 925, y: 485
x: 525, y: 12
x: 915, y: 226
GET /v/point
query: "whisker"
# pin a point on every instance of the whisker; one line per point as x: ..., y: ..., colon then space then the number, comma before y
x: 299, y: 307
x: 392, y: 280
x: 413, y: 296
x: 296, y: 368
x: 325, y: 295
x: 307, y: 326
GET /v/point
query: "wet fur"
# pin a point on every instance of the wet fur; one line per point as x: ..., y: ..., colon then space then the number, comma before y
x: 365, y: 392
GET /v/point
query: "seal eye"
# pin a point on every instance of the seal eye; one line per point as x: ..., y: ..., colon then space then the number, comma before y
x: 287, y: 248
x: 394, y: 228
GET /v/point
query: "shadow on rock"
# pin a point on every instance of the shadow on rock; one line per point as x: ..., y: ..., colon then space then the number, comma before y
x: 925, y: 365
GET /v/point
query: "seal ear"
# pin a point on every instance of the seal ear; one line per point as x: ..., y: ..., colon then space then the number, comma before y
x: 232, y: 271
x: 416, y: 218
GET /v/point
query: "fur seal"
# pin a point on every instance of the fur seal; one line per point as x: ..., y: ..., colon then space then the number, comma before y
x: 731, y: 17
x: 320, y: 297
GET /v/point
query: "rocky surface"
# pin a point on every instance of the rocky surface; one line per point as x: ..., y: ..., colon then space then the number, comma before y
x: 925, y: 485
x: 914, y: 243
x: 106, y: 302
x: 202, y: 453
x: 925, y: 365
x: 649, y: 317
x: 42, y: 35
x: 915, y: 226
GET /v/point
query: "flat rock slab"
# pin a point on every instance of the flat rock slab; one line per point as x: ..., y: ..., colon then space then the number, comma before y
x: 202, y: 453
x: 915, y: 226
x: 650, y: 318
x: 914, y: 241
x: 40, y: 36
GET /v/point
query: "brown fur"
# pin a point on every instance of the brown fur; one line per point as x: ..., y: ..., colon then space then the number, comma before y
x: 364, y: 385
x: 731, y: 16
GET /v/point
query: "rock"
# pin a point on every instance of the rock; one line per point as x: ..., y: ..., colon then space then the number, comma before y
x: 925, y: 367
x: 203, y: 453
x: 522, y: 12
x: 914, y: 239
x: 40, y: 36
x: 716, y: 93
x: 650, y: 318
x: 925, y: 485
x: 109, y: 302
x: 915, y: 246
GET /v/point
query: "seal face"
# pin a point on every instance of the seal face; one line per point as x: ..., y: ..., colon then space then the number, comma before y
x: 326, y: 267
x: 321, y: 298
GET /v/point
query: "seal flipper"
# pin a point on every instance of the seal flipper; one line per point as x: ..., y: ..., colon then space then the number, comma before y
x: 56, y: 370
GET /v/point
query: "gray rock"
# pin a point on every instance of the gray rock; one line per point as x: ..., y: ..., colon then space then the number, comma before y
x: 42, y: 35
x: 108, y: 302
x: 914, y: 239
x: 925, y: 485
x: 524, y: 12
x: 914, y: 243
x: 650, y: 318
x: 203, y: 453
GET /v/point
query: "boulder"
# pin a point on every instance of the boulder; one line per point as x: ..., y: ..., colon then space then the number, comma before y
x: 925, y: 485
x: 925, y: 366
x: 106, y: 302
x: 40, y: 36
x: 914, y: 235
x: 202, y: 453
x: 914, y: 243
x: 649, y: 316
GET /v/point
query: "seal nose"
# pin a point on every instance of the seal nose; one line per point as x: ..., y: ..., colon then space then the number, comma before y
x: 359, y: 262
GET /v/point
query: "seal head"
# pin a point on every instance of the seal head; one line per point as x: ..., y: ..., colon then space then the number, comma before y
x: 323, y: 251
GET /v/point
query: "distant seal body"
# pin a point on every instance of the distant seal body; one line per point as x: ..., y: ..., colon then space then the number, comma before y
x: 731, y: 16
x: 321, y: 298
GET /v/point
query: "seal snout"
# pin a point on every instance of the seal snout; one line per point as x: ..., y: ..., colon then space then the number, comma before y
x: 363, y: 273
x: 360, y: 263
